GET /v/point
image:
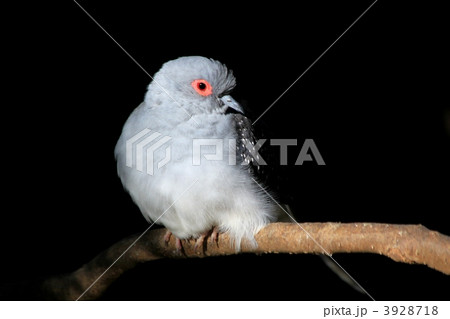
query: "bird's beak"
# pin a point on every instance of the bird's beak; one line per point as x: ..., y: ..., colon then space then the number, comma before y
x: 227, y: 101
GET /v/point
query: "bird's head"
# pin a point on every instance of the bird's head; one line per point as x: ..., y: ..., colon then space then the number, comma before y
x: 197, y: 84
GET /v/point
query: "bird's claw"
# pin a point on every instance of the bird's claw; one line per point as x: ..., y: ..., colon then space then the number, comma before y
x: 199, y: 242
x: 178, y: 244
x: 213, y: 238
x: 215, y: 235
x: 167, y: 236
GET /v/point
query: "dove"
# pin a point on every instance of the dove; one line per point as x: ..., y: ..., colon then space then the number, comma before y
x: 188, y: 109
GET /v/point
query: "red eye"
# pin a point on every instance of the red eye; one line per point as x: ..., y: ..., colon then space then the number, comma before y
x: 202, y: 87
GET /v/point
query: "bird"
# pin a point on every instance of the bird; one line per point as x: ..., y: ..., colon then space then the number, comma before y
x: 189, y: 109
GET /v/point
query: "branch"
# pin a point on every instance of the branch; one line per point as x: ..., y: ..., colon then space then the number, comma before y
x: 402, y: 243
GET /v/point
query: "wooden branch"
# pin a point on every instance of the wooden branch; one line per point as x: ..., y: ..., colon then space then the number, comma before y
x: 402, y: 243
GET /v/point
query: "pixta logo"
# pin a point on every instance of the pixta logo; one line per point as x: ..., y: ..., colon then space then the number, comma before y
x: 144, y: 151
x: 141, y: 149
x: 214, y: 151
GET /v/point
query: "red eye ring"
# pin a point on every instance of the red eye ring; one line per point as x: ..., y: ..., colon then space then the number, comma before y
x: 202, y: 87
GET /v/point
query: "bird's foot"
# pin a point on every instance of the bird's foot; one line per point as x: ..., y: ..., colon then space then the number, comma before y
x: 199, y: 241
x: 213, y: 237
x: 178, y: 244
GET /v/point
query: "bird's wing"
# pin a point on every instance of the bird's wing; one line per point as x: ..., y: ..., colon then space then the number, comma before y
x: 245, y: 143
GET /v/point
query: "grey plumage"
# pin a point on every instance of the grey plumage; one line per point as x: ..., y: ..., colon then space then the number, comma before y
x: 187, y: 101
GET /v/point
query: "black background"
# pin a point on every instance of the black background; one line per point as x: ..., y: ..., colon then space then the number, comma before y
x: 375, y: 105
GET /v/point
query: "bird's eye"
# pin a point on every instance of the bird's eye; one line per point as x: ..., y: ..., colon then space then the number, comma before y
x: 202, y: 87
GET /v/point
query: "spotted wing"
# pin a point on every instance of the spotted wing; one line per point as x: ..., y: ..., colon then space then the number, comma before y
x: 245, y: 142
